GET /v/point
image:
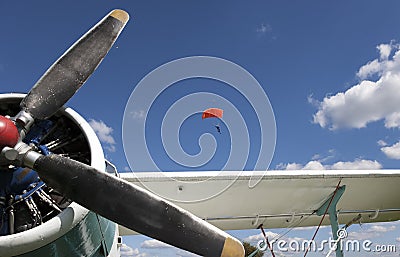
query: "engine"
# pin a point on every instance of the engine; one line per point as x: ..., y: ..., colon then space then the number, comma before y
x: 33, y: 215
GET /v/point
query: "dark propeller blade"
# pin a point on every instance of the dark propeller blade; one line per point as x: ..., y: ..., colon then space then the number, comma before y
x: 71, y: 70
x: 134, y: 207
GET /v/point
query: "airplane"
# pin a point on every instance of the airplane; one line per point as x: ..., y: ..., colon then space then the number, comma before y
x: 59, y: 196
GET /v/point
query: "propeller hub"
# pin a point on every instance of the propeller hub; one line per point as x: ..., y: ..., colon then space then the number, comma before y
x: 8, y: 133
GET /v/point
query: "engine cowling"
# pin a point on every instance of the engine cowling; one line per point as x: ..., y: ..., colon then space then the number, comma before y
x: 36, y: 218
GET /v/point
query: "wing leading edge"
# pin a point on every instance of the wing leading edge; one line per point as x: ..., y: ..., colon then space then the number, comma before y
x: 281, y: 198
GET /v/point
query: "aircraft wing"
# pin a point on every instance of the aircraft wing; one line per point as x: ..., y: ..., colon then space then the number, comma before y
x: 281, y: 199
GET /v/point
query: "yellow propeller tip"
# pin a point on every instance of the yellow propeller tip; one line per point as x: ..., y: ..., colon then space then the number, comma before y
x: 120, y: 15
x: 232, y: 248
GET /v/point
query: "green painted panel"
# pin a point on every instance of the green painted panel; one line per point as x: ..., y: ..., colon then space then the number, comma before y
x: 86, y: 239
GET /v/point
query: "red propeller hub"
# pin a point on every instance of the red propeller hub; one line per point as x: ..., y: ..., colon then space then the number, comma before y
x: 8, y: 133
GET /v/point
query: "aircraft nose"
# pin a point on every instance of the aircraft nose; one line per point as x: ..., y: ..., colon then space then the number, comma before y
x: 8, y: 133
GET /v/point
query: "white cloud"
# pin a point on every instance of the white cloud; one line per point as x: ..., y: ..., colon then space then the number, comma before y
x: 361, y: 235
x: 254, y: 238
x: 369, y: 69
x: 378, y: 66
x: 398, y: 239
x: 392, y: 152
x: 373, y: 231
x: 393, y: 120
x: 297, y: 239
x: 138, y: 115
x: 153, y: 243
x: 104, y: 133
x: 381, y: 229
x: 385, y: 50
x: 367, y: 101
x: 290, y: 166
x: 182, y: 253
x: 381, y: 143
x: 264, y: 28
x: 323, y: 158
x: 127, y: 251
x: 357, y: 164
x: 260, y: 236
x: 305, y: 228
x: 313, y: 165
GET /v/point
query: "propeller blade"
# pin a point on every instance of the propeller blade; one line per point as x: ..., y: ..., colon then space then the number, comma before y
x: 73, y: 68
x: 133, y: 207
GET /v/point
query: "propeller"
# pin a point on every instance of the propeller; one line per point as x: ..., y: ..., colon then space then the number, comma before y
x: 98, y: 191
x: 73, y: 68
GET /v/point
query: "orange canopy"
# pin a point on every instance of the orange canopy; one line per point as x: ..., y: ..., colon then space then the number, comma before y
x: 212, y: 113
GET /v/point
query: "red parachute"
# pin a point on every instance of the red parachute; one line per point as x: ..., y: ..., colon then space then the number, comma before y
x: 212, y: 113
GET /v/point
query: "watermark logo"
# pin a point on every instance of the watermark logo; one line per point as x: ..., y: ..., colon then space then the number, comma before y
x: 341, y: 233
x: 328, y: 246
x: 163, y: 103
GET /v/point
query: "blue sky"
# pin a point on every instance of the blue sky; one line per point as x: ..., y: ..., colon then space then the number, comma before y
x: 329, y: 69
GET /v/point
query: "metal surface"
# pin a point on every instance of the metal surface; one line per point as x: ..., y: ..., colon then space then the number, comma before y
x: 281, y: 199
x: 57, y: 227
x: 329, y: 207
x: 67, y: 74
x: 87, y: 239
x: 147, y: 213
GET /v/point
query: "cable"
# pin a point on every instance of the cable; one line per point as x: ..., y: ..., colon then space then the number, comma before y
x: 291, y: 227
x: 266, y: 239
x: 326, y: 211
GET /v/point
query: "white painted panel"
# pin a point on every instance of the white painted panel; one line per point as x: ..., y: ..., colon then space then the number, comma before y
x: 281, y: 198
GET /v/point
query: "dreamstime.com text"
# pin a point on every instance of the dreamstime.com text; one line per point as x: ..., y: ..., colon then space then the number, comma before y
x: 326, y: 245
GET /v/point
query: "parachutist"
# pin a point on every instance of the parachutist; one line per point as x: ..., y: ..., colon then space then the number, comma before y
x: 213, y: 113
x: 218, y: 128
